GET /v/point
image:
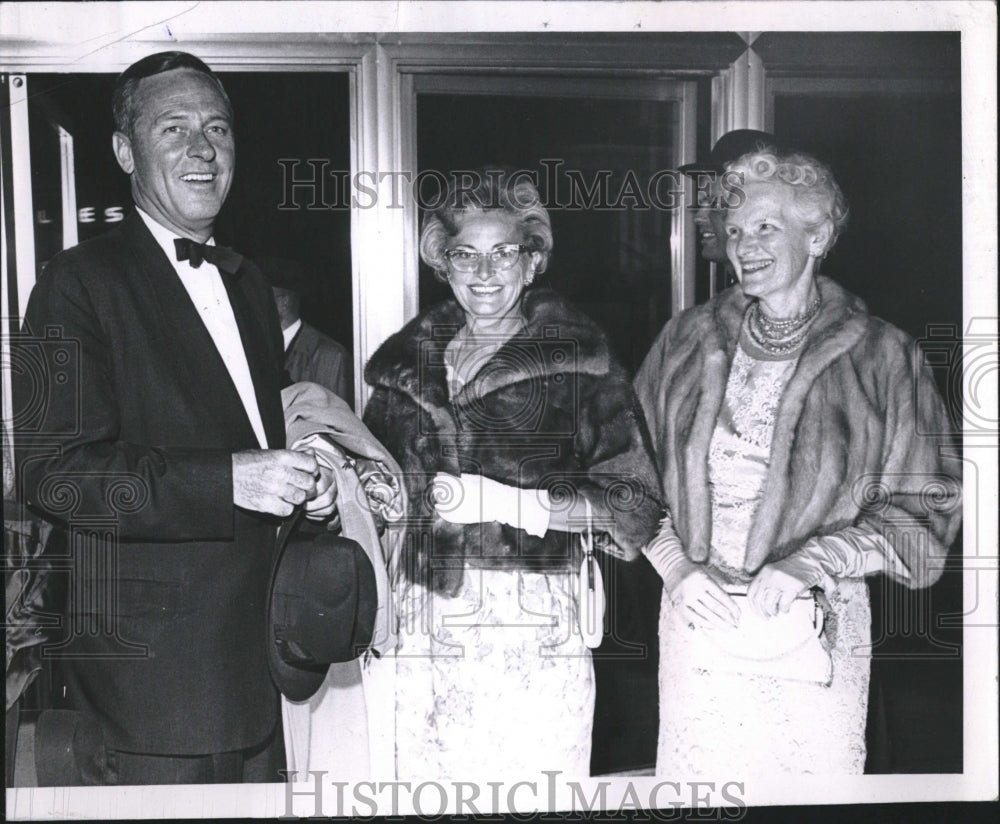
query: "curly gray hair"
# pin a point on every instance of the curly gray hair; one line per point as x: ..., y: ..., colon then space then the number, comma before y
x: 500, y: 189
x: 818, y: 198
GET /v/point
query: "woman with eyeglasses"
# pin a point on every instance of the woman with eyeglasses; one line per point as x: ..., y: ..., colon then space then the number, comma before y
x: 522, y: 445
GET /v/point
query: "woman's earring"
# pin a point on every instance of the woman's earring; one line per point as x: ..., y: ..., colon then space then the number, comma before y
x: 528, y: 278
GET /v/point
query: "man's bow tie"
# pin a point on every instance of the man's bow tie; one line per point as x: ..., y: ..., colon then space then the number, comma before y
x: 194, y: 252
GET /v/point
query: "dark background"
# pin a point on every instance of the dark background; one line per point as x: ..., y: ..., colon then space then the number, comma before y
x: 280, y: 115
x: 612, y: 262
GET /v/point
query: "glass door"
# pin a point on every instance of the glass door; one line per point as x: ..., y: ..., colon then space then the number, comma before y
x: 602, y: 154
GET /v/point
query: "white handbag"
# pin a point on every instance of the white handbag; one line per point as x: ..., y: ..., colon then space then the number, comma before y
x: 789, y: 645
x: 591, y: 612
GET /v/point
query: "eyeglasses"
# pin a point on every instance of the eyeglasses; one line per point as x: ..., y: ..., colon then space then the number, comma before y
x: 501, y: 257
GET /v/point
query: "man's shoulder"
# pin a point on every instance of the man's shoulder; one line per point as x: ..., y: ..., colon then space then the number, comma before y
x: 90, y: 261
x: 310, y: 337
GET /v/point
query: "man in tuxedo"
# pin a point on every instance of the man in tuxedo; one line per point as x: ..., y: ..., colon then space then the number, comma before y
x: 164, y: 427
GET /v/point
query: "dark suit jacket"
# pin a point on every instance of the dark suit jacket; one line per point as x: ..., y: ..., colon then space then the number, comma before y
x: 126, y: 445
x: 318, y: 358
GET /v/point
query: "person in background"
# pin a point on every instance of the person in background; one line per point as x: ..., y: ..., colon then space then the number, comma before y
x: 309, y: 354
x: 706, y: 174
x: 516, y: 430
x: 798, y: 439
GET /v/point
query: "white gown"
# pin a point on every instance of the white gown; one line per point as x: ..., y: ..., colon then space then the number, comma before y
x: 496, y: 683
x: 740, y: 725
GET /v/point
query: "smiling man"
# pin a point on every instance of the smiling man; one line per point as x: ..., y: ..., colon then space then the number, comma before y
x: 710, y: 219
x: 170, y: 430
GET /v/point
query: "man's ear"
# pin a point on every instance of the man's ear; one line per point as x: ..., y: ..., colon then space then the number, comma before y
x: 123, y: 152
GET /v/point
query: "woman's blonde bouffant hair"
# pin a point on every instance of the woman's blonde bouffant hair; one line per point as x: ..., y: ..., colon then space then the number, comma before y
x: 818, y: 198
x: 491, y: 189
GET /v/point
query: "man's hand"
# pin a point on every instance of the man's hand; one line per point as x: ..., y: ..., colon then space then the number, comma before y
x: 273, y: 480
x: 325, y: 503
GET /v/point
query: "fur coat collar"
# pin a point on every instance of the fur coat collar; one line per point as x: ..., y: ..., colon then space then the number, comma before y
x: 407, y: 361
x: 853, y: 413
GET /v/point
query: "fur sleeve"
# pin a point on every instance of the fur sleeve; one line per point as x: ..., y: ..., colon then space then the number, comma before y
x: 392, y: 419
x: 649, y: 379
x: 621, y: 481
x: 915, y: 503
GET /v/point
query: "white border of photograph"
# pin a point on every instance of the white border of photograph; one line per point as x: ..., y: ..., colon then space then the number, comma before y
x: 96, y: 34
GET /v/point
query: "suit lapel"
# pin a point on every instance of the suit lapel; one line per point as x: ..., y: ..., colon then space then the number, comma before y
x: 254, y: 334
x: 191, y: 348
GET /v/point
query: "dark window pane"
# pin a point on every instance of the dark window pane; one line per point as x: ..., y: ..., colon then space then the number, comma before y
x: 611, y: 257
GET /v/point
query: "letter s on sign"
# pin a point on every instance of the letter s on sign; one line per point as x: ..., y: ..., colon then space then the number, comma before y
x: 114, y: 213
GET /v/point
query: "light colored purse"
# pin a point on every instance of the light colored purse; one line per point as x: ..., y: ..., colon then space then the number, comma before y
x: 591, y: 611
x: 788, y: 645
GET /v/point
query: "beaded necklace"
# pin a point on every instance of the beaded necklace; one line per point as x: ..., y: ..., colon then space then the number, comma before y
x: 779, y: 336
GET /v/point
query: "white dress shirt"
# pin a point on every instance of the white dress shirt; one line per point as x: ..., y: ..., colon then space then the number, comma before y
x: 208, y: 293
x: 290, y: 333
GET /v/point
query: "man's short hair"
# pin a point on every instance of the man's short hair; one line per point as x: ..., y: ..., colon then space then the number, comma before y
x: 123, y: 98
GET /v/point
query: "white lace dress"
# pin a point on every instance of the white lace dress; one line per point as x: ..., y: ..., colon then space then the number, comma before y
x: 741, y: 725
x: 495, y: 683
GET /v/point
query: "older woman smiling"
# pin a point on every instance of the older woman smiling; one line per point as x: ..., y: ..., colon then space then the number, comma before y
x: 776, y: 410
x: 512, y: 422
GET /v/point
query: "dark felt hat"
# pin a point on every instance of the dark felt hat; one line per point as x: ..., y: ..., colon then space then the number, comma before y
x: 285, y: 273
x: 321, y: 607
x: 732, y: 145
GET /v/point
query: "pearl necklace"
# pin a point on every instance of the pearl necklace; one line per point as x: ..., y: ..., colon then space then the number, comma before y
x: 779, y: 336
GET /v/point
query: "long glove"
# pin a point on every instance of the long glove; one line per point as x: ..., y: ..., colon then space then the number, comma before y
x: 473, y: 499
x: 849, y: 553
x: 668, y: 558
x: 692, y: 591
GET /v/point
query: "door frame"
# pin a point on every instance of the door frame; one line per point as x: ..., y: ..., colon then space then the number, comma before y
x: 382, y: 70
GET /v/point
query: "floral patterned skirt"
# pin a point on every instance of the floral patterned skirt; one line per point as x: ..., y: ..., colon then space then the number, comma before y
x: 494, y: 683
x: 746, y: 726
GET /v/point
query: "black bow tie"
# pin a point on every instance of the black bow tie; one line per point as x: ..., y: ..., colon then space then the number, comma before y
x: 194, y: 252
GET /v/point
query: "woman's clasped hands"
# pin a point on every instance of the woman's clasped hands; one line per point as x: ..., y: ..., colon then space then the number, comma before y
x: 774, y: 588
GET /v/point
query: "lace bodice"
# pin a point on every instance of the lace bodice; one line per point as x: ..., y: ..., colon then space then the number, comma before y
x: 738, y: 456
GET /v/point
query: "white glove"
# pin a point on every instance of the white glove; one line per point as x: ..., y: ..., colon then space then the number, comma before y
x: 473, y: 499
x: 700, y: 600
x: 852, y: 552
x: 668, y: 557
